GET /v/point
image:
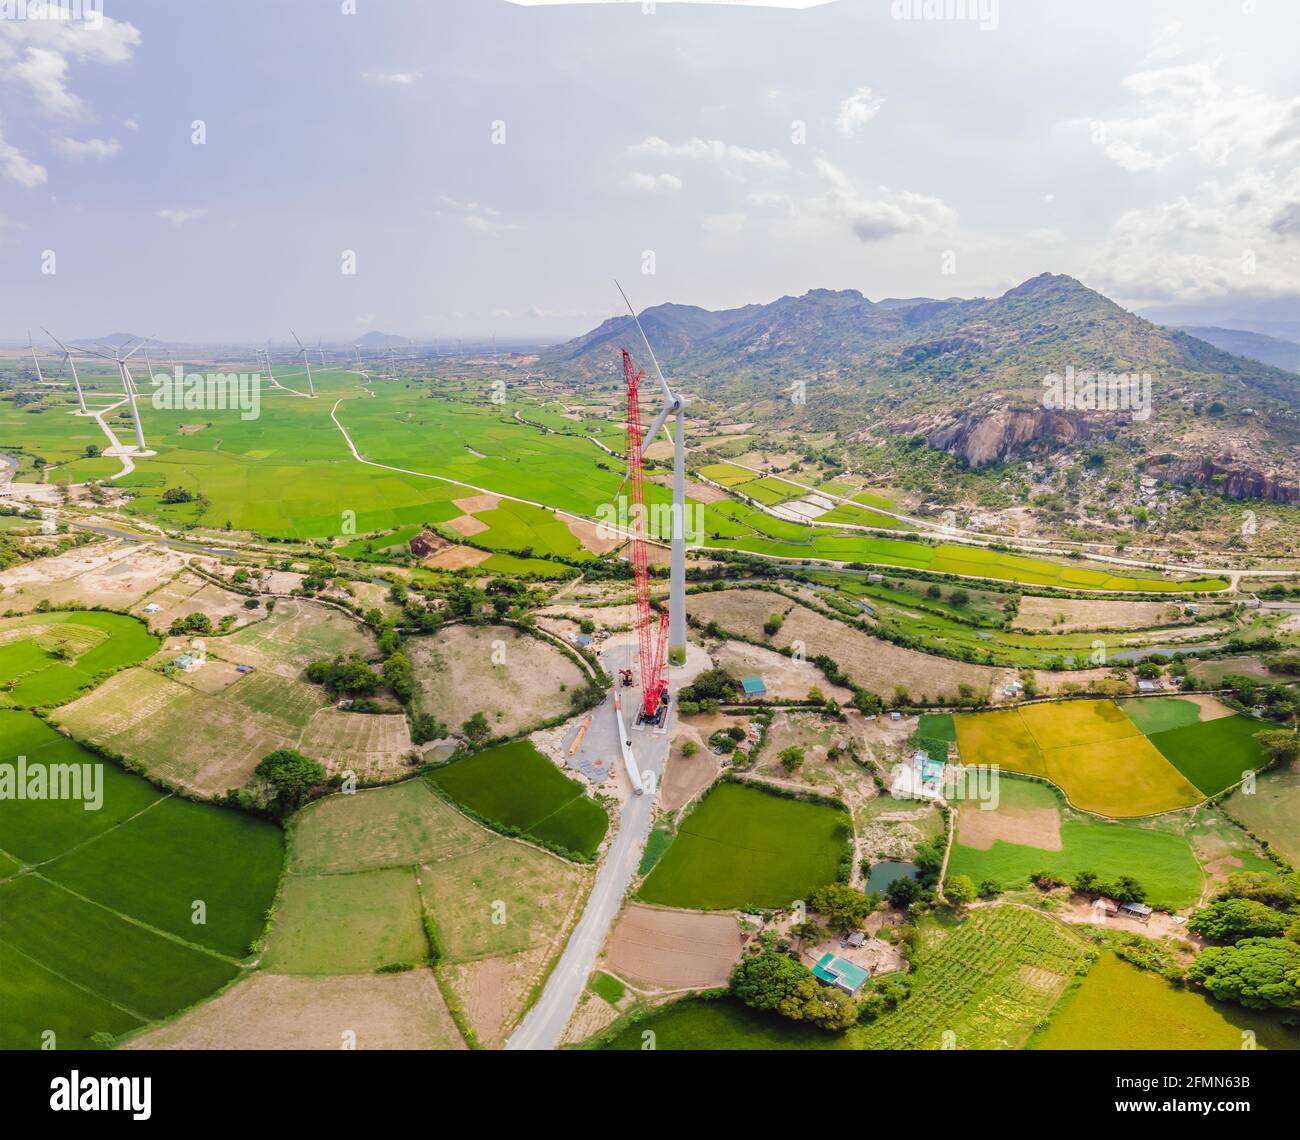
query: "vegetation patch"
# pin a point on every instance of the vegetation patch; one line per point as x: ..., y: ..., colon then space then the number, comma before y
x: 1213, y: 755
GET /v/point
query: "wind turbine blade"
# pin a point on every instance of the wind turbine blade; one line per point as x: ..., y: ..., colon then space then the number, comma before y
x: 668, y: 392
x: 136, y: 349
x: 53, y: 338
x: 656, y: 425
x: 295, y: 337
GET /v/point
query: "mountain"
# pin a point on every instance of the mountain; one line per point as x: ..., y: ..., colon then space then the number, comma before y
x: 1252, y: 345
x: 378, y: 341
x: 965, y: 375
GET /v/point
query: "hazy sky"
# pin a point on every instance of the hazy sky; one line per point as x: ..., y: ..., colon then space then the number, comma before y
x: 1149, y: 149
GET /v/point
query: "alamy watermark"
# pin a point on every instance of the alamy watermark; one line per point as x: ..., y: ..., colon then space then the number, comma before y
x: 88, y: 13
x: 24, y: 781
x: 208, y: 392
x: 1088, y: 391
x: 615, y: 520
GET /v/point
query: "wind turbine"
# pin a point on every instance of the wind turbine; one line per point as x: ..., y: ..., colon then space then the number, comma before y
x: 67, y: 355
x: 40, y: 379
x: 311, y: 388
x: 128, y: 385
x: 320, y: 347
x: 674, y: 405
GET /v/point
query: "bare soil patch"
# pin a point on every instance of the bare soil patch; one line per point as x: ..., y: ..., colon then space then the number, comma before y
x: 369, y: 744
x: 785, y: 678
x: 492, y: 991
x: 656, y: 948
x: 593, y: 537
x: 1031, y: 827
x: 467, y: 525
x: 1094, y: 613
x: 457, y: 558
x: 472, y: 504
x: 276, y: 1011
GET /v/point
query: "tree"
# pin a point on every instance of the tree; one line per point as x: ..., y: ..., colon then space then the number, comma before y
x: 1256, y: 972
x: 959, y: 598
x: 1231, y: 920
x: 1280, y: 745
x: 902, y: 893
x: 689, y: 749
x: 1281, y: 891
x: 960, y: 890
x: 771, y: 981
x: 425, y: 727
x: 773, y: 624
x: 841, y: 905
x: 176, y: 495
x: 291, y: 775
x: 399, y: 677
x: 791, y: 758
x: 806, y: 932
x: 476, y: 729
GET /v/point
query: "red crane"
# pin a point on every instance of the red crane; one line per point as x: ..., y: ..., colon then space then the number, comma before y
x: 654, y: 686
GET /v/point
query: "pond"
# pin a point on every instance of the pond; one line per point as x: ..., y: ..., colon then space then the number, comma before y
x: 882, y: 874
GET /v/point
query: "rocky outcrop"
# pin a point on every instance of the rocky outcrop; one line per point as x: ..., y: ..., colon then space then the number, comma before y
x: 992, y: 437
x: 1233, y: 481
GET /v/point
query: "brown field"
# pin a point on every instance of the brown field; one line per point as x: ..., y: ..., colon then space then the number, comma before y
x: 1214, y: 671
x: 466, y: 526
x: 513, y: 679
x: 457, y: 558
x: 784, y: 677
x: 491, y: 991
x: 593, y: 537
x: 657, y: 948
x: 276, y: 1011
x: 372, y: 745
x: 873, y: 664
x: 1051, y: 683
x: 186, y: 594
x: 1094, y: 613
x: 1032, y: 827
x: 685, y: 778
x: 112, y: 574
x: 472, y: 504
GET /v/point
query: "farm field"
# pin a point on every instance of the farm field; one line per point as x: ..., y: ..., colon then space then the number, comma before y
x: 742, y: 846
x: 516, y: 680
x: 721, y: 1024
x: 1273, y: 812
x: 101, y: 924
x: 1066, y: 615
x: 515, y: 786
x: 47, y: 658
x: 1118, y: 1006
x: 1026, y: 833
x: 653, y: 947
x: 1215, y: 754
x: 369, y: 868
x: 1089, y: 749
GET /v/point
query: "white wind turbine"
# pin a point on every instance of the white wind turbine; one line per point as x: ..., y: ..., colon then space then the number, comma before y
x: 128, y: 386
x: 40, y: 378
x: 311, y: 388
x: 67, y: 355
x: 674, y: 405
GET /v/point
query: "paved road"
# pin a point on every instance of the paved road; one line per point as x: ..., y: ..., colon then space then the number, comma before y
x: 544, y: 1024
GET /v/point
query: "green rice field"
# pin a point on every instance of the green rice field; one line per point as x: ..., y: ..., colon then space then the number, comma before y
x: 743, y: 846
x: 516, y: 788
x: 48, y: 658
x: 1215, y: 754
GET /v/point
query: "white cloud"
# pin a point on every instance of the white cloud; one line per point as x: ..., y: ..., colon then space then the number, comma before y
x: 87, y: 148
x: 857, y: 111
x: 738, y: 161
x: 886, y: 215
x: 181, y: 217
x: 482, y: 219
x: 394, y: 78
x: 130, y: 124
x: 652, y: 183
x: 16, y: 165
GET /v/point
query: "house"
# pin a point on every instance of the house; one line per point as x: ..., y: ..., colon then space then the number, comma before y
x: 583, y: 641
x: 918, y: 778
x: 1107, y: 906
x: 1137, y: 910
x: 895, y: 715
x: 1191, y: 609
x: 856, y: 939
x: 875, y: 577
x: 187, y: 662
x: 1145, y: 686
x: 152, y: 608
x: 832, y: 970
x: 754, y: 687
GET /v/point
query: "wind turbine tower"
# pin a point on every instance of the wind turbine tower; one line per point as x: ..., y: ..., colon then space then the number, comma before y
x: 128, y: 387
x: 311, y: 388
x: 40, y: 379
x: 675, y: 405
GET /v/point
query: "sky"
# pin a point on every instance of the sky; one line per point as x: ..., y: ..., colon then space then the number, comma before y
x: 449, y: 169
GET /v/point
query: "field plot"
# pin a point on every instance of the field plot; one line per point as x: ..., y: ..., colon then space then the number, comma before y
x: 655, y: 948
x: 350, y: 923
x: 1159, y: 714
x: 294, y: 635
x: 873, y: 664
x: 517, y: 788
x: 365, y: 868
x: 1118, y: 1006
x: 1273, y: 812
x: 284, y: 1011
x: 1065, y: 615
x: 114, y: 575
x: 1213, y: 755
x: 989, y: 981
x: 188, y: 593
x: 47, y: 658
x: 742, y: 846
x: 513, y: 679
x: 101, y: 926
x: 1089, y: 749
x: 1026, y: 833
x: 721, y: 1024
x: 373, y: 745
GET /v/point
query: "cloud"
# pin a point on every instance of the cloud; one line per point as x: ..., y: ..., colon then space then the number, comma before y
x: 652, y: 183
x: 16, y: 165
x: 479, y: 218
x: 857, y: 111
x: 130, y: 124
x: 885, y: 215
x: 393, y: 78
x: 182, y: 217
x: 738, y: 161
x: 87, y: 148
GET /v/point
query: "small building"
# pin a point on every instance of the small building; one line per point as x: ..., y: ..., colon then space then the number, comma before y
x: 1137, y: 910
x: 1145, y: 686
x: 1191, y: 609
x: 1107, y: 906
x: 832, y: 970
x: 875, y: 577
x: 895, y: 715
x: 243, y: 668
x: 754, y: 687
x: 152, y: 608
x: 582, y: 641
x: 856, y: 939
x: 187, y: 662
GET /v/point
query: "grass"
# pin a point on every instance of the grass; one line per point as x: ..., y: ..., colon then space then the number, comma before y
x: 1118, y: 1006
x: 607, y: 986
x: 1162, y: 861
x: 1272, y: 811
x: 347, y: 924
x: 1213, y: 755
x: 47, y: 658
x: 1089, y: 749
x: 517, y: 788
x: 721, y: 1024
x: 1159, y: 714
x: 743, y: 846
